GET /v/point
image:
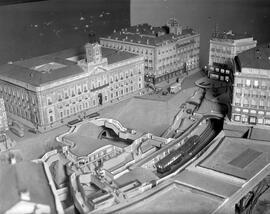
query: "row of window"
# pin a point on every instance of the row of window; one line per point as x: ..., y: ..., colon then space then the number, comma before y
x: 24, y: 113
x: 66, y: 94
x: 128, y: 48
x: 105, y: 155
x: 75, y: 107
x: 251, y: 83
x: 251, y: 119
x: 221, y: 70
x: 252, y: 94
x: 251, y: 111
x: 252, y: 104
x: 10, y: 94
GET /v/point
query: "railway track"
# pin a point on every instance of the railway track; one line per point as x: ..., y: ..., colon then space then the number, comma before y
x: 190, y: 149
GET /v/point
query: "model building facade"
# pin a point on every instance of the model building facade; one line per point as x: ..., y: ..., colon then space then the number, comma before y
x: 251, y: 91
x: 223, y: 48
x: 3, y: 116
x: 168, y: 51
x: 44, y: 90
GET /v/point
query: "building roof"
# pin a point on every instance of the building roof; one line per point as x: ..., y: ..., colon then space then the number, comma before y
x: 37, y: 78
x: 230, y: 36
x: 258, y: 57
x: 148, y: 35
x: 115, y: 56
x: 239, y: 157
x: 24, y: 176
x: 52, y: 67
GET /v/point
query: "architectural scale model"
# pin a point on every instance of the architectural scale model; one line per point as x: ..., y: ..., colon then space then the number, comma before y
x: 131, y: 124
x: 251, y: 98
x: 168, y: 51
x: 223, y: 48
x: 47, y: 89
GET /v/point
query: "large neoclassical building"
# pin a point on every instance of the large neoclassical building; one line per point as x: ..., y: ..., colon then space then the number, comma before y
x: 46, y: 89
x: 168, y: 51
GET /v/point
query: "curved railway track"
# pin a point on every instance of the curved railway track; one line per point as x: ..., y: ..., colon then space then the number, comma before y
x: 191, y: 148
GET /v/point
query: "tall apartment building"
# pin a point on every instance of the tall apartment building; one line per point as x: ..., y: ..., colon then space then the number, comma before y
x: 46, y: 89
x: 251, y: 90
x: 168, y: 51
x: 223, y: 48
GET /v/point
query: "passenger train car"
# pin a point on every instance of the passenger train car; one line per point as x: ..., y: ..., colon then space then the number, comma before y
x: 192, y: 147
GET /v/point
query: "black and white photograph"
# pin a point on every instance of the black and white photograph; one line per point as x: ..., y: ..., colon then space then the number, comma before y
x: 135, y: 106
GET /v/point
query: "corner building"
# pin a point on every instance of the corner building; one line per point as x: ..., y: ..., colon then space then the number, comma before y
x: 168, y: 51
x: 223, y: 48
x: 47, y: 89
x: 251, y: 90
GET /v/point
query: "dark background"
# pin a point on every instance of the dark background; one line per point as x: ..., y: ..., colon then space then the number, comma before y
x: 35, y: 28
x: 241, y: 16
x: 31, y: 29
x: 6, y: 2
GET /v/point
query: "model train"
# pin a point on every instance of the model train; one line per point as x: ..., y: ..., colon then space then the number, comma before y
x: 191, y: 148
x: 177, y: 155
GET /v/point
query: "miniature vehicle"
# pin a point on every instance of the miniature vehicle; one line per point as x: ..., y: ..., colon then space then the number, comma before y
x: 17, y: 124
x: 178, y: 155
x: 95, y: 114
x: 157, y: 89
x: 174, y: 88
x: 150, y: 85
x: 165, y: 92
x: 73, y: 122
x: 190, y: 148
x: 17, y: 131
x: 33, y: 130
x: 183, y: 105
x: 189, y: 111
x: 204, y: 83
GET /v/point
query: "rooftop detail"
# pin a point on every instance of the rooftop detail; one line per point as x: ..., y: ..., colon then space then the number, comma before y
x: 149, y: 35
x: 38, y: 70
x: 48, y: 67
x: 258, y: 57
x: 229, y: 36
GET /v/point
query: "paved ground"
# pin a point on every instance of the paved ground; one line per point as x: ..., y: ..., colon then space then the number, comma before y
x: 147, y: 115
x: 153, y: 114
x: 35, y: 146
